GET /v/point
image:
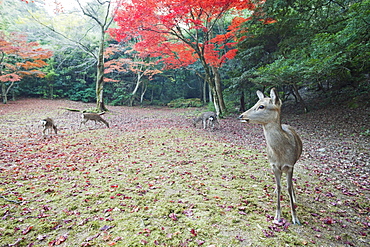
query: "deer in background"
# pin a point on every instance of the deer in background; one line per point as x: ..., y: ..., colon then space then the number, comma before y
x: 48, y: 124
x: 284, y: 146
x: 207, y: 118
x: 96, y: 117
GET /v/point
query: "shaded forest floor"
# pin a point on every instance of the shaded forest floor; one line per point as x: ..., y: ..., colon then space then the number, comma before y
x: 153, y: 179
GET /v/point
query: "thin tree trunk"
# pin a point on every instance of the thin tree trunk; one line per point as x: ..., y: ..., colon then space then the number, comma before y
x: 5, y: 91
x: 210, y: 97
x: 138, y: 83
x: 242, y: 102
x: 144, y: 88
x: 204, y: 92
x: 295, y: 89
x: 100, y: 75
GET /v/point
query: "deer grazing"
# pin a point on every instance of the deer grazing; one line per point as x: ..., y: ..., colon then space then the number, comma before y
x: 96, y: 117
x: 284, y: 146
x: 208, y: 119
x: 48, y: 124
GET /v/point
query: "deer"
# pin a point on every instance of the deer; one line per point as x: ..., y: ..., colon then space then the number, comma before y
x: 48, y: 124
x: 96, y: 117
x: 284, y: 146
x: 207, y: 118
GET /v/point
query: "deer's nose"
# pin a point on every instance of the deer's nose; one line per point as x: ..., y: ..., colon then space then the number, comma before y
x: 241, y: 116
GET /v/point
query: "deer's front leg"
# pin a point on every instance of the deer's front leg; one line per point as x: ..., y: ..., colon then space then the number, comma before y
x: 277, y: 173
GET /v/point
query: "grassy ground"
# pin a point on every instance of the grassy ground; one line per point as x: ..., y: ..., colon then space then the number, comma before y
x: 151, y: 179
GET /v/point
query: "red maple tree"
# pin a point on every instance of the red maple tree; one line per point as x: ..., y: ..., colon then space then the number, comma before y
x: 180, y: 32
x: 19, y: 58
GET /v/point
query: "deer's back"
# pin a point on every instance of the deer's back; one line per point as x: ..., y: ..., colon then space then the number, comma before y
x: 92, y: 116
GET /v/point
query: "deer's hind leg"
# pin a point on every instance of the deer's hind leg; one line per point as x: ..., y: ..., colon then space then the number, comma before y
x: 289, y: 177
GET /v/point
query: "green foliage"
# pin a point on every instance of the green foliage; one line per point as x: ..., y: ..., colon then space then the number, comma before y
x: 86, y: 95
x: 311, y: 43
x: 182, y: 103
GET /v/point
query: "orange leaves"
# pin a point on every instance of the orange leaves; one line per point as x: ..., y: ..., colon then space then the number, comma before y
x: 12, y: 77
x: 21, y: 58
x: 268, y: 20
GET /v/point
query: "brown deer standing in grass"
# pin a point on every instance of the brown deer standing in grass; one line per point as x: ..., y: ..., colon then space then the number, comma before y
x: 93, y: 117
x: 48, y: 124
x: 208, y: 119
x: 284, y: 146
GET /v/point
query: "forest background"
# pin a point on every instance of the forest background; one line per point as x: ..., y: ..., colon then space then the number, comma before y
x: 304, y: 48
x: 152, y: 178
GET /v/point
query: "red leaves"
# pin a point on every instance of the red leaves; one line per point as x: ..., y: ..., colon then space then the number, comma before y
x: 58, y: 241
x: 162, y: 25
x: 328, y: 221
x: 27, y: 230
x: 193, y: 233
x: 173, y: 216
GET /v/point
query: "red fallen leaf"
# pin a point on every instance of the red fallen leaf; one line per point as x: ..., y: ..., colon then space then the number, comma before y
x: 328, y: 221
x: 61, y: 239
x: 27, y: 230
x: 193, y: 232
x: 106, y: 228
x: 92, y: 237
x: 49, y: 191
x: 173, y: 216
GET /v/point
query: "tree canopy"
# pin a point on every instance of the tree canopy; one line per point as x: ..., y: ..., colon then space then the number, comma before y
x: 179, y: 33
x: 226, y: 48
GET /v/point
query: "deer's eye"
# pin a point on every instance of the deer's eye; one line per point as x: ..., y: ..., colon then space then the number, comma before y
x: 261, y: 107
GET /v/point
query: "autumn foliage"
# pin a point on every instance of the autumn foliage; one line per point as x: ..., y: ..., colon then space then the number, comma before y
x: 21, y: 58
x: 181, y: 32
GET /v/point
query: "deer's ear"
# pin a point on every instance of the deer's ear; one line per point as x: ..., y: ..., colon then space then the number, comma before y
x: 275, y: 97
x: 260, y: 94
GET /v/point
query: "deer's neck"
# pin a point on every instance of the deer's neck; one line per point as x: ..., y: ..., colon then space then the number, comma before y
x: 273, y: 132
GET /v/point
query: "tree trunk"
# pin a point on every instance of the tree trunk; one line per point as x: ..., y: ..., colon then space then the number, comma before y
x: 218, y: 88
x: 204, y: 85
x: 242, y: 102
x: 214, y: 81
x: 297, y: 94
x: 144, y: 88
x: 138, y: 83
x: 100, y: 75
x: 5, y: 91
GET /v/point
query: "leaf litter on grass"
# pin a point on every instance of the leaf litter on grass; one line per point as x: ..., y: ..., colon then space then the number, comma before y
x: 152, y: 180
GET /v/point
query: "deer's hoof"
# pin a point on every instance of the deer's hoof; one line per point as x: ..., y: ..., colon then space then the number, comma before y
x: 296, y: 222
